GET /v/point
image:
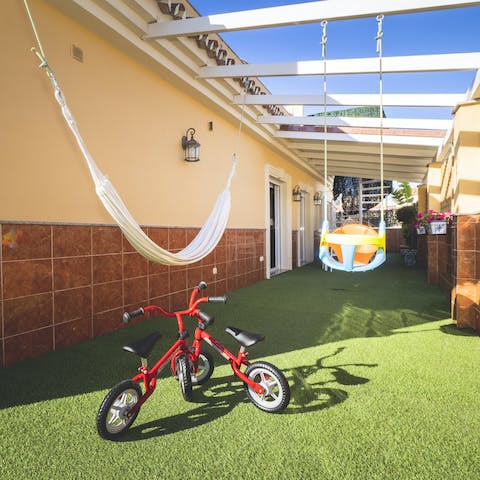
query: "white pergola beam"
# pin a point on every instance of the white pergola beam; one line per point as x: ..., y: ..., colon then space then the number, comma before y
x: 361, y: 99
x: 368, y: 122
x: 362, y: 158
x: 348, y: 66
x: 361, y: 137
x: 311, y: 12
x: 374, y: 173
x: 364, y: 148
x: 372, y: 167
x: 399, y: 176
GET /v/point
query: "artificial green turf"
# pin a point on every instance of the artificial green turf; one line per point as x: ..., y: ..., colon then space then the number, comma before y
x: 383, y: 387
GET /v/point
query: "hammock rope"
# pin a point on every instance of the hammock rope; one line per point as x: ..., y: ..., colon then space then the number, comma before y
x: 210, y: 233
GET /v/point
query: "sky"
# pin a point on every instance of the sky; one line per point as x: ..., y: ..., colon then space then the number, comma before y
x: 447, y: 31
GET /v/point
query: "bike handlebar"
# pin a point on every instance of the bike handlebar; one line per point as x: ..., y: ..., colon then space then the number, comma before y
x: 222, y: 299
x: 191, y: 310
x: 136, y: 313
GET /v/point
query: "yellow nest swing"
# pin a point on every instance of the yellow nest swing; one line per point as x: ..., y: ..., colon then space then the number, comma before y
x: 353, y: 247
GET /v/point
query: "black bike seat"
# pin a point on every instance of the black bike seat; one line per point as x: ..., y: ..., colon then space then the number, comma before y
x: 244, y: 338
x: 143, y: 347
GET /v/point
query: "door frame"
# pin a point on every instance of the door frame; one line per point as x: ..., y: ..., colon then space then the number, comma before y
x: 279, y: 177
x: 302, y: 230
x: 277, y: 227
x: 309, y: 227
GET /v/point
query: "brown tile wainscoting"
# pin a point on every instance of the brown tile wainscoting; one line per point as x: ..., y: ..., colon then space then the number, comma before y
x: 465, y: 267
x: 61, y: 284
x: 453, y: 263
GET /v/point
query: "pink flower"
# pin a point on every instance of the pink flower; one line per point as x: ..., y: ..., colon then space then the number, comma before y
x: 425, y: 218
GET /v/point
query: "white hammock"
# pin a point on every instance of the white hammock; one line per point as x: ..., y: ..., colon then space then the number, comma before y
x: 208, y: 236
x: 206, y: 239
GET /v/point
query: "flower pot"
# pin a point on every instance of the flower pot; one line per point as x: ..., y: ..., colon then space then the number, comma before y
x: 437, y: 227
x: 421, y: 231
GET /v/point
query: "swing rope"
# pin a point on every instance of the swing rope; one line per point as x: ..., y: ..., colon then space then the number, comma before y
x: 324, y: 24
x: 379, y: 39
x: 210, y: 233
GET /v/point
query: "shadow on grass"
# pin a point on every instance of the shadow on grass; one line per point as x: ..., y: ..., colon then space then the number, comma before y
x: 308, y: 384
x: 303, y: 308
x: 221, y: 395
x: 452, y: 329
x: 216, y: 399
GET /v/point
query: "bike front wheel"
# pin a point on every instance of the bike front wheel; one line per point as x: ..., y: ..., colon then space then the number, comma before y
x: 276, y: 395
x: 184, y: 378
x: 204, y: 370
x: 113, y: 417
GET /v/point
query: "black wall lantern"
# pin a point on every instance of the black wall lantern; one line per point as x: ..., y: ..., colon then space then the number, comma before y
x: 317, y: 199
x: 297, y: 194
x: 191, y: 146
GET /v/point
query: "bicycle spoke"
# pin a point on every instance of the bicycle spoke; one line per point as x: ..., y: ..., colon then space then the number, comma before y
x: 113, y: 419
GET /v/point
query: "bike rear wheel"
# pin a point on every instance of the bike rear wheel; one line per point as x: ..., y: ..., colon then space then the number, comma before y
x: 276, y: 395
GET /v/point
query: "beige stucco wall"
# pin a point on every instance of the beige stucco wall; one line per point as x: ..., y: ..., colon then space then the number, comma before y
x: 453, y: 182
x: 467, y: 154
x: 132, y: 121
x: 422, y: 198
x: 434, y: 180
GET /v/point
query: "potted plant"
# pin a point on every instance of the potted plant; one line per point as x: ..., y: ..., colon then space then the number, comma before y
x: 432, y: 221
x: 421, y: 224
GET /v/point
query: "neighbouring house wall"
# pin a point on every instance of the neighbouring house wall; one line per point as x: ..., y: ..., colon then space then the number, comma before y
x: 467, y: 153
x: 422, y: 198
x: 453, y: 260
x: 454, y: 265
x: 66, y: 273
x: 434, y: 180
x: 453, y: 181
x: 465, y: 295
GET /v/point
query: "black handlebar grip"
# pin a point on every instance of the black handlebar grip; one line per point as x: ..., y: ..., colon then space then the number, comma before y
x: 205, y: 318
x: 136, y: 313
x: 202, y: 285
x: 222, y: 299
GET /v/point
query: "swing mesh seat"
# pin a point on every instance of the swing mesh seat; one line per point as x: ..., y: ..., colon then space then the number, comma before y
x: 363, y: 253
x: 353, y: 247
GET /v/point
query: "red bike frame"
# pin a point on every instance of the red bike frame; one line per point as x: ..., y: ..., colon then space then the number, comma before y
x: 149, y: 376
x: 236, y: 361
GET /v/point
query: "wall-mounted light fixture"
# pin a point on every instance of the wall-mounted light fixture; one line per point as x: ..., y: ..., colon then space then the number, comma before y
x: 297, y: 193
x: 191, y: 146
x: 317, y: 199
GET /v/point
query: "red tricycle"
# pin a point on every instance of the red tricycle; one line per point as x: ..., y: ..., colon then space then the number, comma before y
x: 265, y: 384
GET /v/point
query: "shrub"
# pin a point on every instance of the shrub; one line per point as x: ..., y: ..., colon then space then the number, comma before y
x: 407, y: 216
